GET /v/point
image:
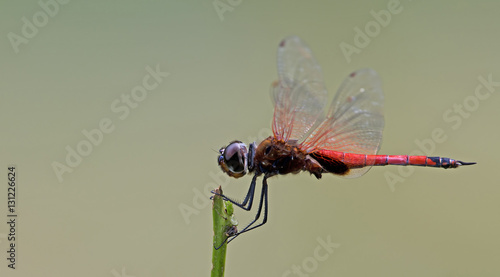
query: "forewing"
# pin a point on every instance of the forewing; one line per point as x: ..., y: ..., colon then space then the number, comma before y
x: 355, y: 121
x: 299, y: 95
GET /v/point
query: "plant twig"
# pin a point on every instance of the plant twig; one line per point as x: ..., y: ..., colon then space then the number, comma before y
x: 224, y: 224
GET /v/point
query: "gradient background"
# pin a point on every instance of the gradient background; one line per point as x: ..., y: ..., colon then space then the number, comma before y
x: 118, y: 212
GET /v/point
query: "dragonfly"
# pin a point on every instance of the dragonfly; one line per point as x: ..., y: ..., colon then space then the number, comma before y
x: 343, y: 141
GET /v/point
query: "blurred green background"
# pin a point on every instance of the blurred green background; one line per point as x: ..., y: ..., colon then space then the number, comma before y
x: 136, y: 204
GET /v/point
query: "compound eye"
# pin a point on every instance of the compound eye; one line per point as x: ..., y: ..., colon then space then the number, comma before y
x: 234, y: 157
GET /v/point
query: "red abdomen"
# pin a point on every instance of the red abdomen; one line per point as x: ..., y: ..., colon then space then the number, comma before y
x: 340, y: 162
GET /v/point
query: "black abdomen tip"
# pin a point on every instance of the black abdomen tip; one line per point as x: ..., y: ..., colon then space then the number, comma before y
x: 464, y: 163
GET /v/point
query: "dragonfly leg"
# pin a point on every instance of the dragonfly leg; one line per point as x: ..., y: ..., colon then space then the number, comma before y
x: 263, y: 202
x: 248, y: 198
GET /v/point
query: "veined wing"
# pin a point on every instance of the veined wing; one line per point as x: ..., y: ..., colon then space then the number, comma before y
x: 355, y: 121
x: 299, y: 95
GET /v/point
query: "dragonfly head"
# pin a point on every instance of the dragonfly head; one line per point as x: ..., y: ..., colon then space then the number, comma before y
x: 233, y: 159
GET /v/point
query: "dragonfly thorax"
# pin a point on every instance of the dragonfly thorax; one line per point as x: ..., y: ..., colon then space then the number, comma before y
x: 274, y: 156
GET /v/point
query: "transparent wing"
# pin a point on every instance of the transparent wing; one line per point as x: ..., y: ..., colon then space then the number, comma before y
x: 355, y: 121
x: 299, y: 95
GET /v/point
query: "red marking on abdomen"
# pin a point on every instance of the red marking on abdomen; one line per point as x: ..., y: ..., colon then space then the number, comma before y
x: 361, y: 160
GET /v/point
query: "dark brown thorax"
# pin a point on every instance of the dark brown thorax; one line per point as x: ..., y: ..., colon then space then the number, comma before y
x: 274, y: 156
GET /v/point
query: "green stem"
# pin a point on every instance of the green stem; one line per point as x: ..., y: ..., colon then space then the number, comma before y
x: 222, y: 212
